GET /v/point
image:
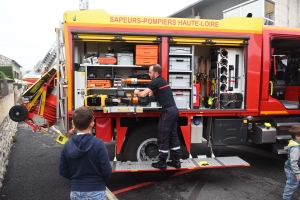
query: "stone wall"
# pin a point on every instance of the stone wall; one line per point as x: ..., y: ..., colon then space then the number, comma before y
x: 8, y: 129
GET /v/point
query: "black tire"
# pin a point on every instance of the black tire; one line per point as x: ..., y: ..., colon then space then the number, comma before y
x: 18, y: 113
x: 136, y: 137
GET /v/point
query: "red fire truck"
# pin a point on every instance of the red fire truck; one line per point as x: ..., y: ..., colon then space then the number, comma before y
x: 234, y: 81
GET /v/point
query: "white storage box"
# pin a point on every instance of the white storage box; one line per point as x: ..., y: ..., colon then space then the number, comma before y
x: 180, y: 64
x: 180, y: 50
x: 182, y: 99
x: 125, y: 58
x: 179, y: 80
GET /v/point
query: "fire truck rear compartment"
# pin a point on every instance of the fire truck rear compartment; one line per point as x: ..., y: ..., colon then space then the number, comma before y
x: 202, y: 76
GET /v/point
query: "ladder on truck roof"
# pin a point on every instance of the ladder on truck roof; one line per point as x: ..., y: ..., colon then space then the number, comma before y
x: 47, y: 60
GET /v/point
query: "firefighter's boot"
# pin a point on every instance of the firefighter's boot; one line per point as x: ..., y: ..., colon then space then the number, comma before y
x: 161, y: 164
x: 174, y: 163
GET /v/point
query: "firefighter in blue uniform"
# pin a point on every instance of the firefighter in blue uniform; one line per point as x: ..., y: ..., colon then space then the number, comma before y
x: 167, y: 126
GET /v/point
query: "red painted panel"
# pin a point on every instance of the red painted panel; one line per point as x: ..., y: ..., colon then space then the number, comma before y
x: 164, y: 57
x: 104, y: 129
x: 121, y: 132
x: 253, y: 73
x: 292, y: 92
x: 186, y: 133
x: 272, y: 105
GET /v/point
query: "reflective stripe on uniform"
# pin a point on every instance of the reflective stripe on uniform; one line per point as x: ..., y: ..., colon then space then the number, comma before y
x: 163, y: 151
x: 175, y: 148
x: 162, y: 87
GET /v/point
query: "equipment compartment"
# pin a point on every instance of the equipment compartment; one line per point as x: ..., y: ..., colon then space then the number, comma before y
x: 145, y: 60
x: 180, y: 63
x: 182, y: 99
x: 125, y: 58
x: 229, y: 131
x: 179, y: 80
x: 99, y: 83
x: 180, y: 50
x: 147, y: 50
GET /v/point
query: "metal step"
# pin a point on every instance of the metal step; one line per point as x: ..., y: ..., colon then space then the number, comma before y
x: 188, y: 164
x: 287, y: 124
x: 285, y: 121
x: 283, y: 137
x: 290, y: 104
x: 279, y: 148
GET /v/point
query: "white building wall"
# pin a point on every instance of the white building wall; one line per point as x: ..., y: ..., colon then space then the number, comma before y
x: 287, y: 13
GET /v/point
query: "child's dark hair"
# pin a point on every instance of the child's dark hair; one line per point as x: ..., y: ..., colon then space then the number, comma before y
x: 294, y: 130
x: 82, y: 117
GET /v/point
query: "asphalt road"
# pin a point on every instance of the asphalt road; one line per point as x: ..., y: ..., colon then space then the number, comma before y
x: 33, y: 174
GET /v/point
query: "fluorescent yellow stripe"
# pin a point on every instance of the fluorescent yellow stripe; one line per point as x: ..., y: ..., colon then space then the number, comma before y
x: 274, y: 112
x: 189, y: 40
x: 108, y: 38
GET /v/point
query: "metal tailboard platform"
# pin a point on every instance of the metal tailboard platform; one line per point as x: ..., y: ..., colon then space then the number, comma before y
x: 188, y: 164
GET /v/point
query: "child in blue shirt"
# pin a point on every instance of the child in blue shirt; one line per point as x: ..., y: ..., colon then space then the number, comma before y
x: 84, y: 159
x: 291, y: 166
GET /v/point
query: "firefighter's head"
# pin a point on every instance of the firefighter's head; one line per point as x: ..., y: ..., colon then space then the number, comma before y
x: 155, y: 71
x: 83, y: 119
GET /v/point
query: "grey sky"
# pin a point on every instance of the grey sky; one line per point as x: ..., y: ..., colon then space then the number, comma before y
x: 27, y: 26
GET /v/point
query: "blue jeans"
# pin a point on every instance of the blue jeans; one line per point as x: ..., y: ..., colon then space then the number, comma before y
x: 94, y: 195
x: 291, y: 184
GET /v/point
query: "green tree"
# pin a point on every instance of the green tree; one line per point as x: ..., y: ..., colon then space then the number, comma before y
x: 2, y: 75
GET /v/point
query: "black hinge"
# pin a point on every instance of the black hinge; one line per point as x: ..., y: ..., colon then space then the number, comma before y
x: 118, y: 38
x: 158, y: 39
x: 171, y: 40
x: 209, y: 41
x: 245, y: 42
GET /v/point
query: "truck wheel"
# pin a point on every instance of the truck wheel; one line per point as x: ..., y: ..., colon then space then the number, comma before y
x: 141, y: 144
x: 18, y: 113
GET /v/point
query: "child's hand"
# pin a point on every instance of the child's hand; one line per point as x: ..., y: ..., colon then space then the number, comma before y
x: 298, y: 178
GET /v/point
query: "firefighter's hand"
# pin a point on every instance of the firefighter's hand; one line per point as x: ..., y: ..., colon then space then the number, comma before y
x: 136, y: 91
x: 298, y: 178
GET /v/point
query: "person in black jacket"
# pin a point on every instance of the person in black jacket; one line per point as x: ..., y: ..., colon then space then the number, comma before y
x: 167, y: 126
x: 84, y: 159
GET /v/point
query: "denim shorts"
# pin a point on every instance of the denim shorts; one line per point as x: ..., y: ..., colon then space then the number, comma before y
x: 93, y: 195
